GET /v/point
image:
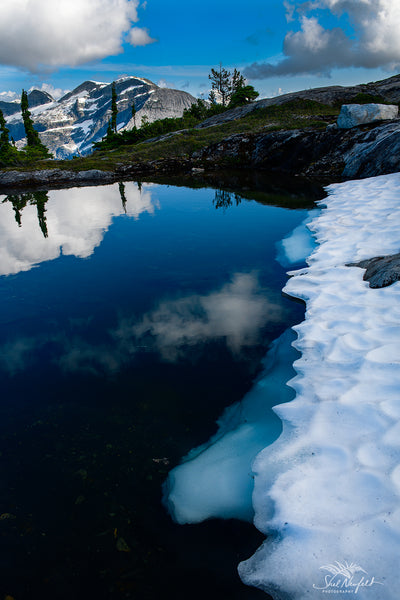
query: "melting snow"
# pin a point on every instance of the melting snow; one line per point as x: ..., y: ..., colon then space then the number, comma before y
x: 327, y: 492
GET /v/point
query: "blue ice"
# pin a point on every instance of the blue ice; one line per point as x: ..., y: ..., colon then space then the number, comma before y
x: 215, y: 479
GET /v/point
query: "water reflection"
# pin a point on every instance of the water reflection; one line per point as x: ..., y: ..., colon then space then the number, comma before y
x: 71, y: 222
x: 234, y: 314
x: 224, y: 199
x: 38, y: 199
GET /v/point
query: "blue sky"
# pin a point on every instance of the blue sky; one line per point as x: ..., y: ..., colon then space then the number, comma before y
x: 280, y: 45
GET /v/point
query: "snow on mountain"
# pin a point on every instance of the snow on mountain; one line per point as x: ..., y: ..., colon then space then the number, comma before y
x: 72, y: 124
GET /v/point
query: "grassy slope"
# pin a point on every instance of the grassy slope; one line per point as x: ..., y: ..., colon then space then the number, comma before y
x: 292, y: 115
x: 296, y: 114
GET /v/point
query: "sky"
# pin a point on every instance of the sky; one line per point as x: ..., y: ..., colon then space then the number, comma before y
x: 279, y: 45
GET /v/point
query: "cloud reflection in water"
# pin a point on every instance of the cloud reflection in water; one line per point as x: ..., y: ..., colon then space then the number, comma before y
x: 76, y: 220
x: 236, y: 313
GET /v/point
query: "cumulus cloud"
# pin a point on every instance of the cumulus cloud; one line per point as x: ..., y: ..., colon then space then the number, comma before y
x: 42, y: 35
x: 163, y: 83
x: 140, y: 37
x: 374, y: 40
x: 9, y: 96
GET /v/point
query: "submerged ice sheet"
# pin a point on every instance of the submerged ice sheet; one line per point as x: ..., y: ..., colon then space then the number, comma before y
x: 299, y: 244
x: 215, y: 480
x: 327, y: 492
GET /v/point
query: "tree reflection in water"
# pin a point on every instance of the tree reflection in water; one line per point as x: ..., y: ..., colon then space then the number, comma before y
x: 38, y: 199
x: 224, y: 199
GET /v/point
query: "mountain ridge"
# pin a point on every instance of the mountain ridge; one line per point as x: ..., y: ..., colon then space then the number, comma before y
x: 71, y: 125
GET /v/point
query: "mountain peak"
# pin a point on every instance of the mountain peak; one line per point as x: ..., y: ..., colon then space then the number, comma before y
x: 71, y: 125
x: 39, y: 97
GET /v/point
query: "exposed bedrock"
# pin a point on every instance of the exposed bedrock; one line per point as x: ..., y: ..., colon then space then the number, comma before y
x: 380, y: 271
x: 333, y: 153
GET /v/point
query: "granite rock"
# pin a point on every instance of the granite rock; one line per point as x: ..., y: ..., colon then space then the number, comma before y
x: 354, y: 115
x: 380, y: 271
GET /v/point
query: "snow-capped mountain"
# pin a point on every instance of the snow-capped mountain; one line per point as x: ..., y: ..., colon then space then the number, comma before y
x: 69, y: 126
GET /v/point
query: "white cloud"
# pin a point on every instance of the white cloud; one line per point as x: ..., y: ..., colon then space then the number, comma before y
x: 42, y: 35
x: 9, y: 96
x: 140, y: 37
x: 163, y: 83
x: 374, y: 40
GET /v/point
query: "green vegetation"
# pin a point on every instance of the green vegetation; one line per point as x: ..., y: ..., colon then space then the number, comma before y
x: 191, y: 116
x: 220, y: 84
x: 178, y: 138
x: 34, y: 151
x: 296, y: 114
x: 35, y: 148
x: 8, y: 154
x: 114, y: 109
x: 231, y: 89
x: 242, y: 96
x: 363, y: 98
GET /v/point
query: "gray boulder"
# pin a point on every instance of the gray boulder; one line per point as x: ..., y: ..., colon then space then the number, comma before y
x: 380, y: 271
x: 353, y: 115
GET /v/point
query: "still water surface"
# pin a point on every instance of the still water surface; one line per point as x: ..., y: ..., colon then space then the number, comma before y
x: 130, y: 316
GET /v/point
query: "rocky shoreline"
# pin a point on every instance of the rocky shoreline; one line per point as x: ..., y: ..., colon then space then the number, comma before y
x: 333, y: 154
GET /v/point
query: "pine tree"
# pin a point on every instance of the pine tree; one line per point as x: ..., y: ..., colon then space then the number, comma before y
x: 32, y: 136
x: 114, y: 108
x: 230, y: 89
x: 8, y: 153
x: 221, y: 83
x: 4, y: 138
x: 238, y: 81
x: 134, y: 114
x: 212, y: 97
x: 244, y: 95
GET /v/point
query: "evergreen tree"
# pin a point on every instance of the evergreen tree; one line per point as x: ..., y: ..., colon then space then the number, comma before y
x: 4, y: 138
x: 32, y: 136
x: 230, y: 89
x: 238, y: 81
x: 221, y: 83
x: 114, y: 108
x: 134, y: 114
x: 8, y: 153
x: 212, y: 97
x: 244, y: 95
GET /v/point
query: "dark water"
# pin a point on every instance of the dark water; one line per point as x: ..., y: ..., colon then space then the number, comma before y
x: 130, y: 317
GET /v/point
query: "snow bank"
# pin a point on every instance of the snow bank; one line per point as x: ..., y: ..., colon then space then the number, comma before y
x: 327, y: 492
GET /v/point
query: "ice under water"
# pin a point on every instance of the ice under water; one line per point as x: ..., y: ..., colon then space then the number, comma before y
x: 326, y: 493
x: 131, y: 317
